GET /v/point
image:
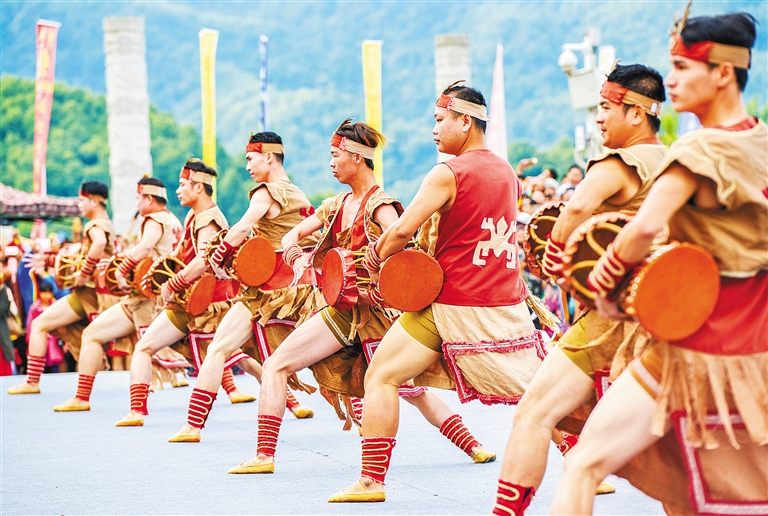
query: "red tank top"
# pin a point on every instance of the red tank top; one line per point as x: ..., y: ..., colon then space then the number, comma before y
x: 225, y: 289
x: 477, y: 241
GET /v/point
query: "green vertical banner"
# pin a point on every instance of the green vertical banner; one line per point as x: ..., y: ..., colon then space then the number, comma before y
x: 209, y: 38
x: 372, y: 91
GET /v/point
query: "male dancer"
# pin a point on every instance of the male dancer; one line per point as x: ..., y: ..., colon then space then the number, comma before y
x: 160, y: 232
x: 98, y: 242
x: 482, y: 301
x: 351, y: 221
x: 276, y: 206
x: 713, y: 192
x: 203, y: 221
x: 617, y: 180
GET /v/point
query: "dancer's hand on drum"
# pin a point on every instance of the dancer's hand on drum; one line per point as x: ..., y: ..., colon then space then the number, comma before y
x: 165, y: 293
x: 122, y: 284
x: 80, y: 279
x: 609, y: 309
x: 220, y: 274
x: 299, y: 265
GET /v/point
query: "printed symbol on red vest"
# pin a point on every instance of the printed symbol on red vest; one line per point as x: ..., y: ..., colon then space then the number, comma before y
x: 501, y: 233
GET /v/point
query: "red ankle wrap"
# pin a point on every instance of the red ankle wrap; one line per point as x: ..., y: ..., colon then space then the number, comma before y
x: 139, y: 395
x: 35, y: 367
x: 377, y: 452
x: 228, y: 381
x: 512, y: 499
x: 291, y: 402
x: 568, y: 442
x: 84, y: 387
x: 453, y: 428
x: 269, y: 428
x: 200, y: 404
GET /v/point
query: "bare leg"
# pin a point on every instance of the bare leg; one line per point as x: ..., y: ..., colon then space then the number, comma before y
x: 617, y: 430
x: 233, y: 331
x: 161, y: 333
x: 55, y: 316
x: 558, y: 388
x: 310, y: 343
x: 252, y: 367
x: 110, y: 324
x: 398, y: 358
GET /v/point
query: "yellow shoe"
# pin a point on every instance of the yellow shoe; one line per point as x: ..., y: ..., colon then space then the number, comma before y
x: 25, y: 388
x: 181, y: 437
x: 364, y: 496
x: 71, y: 407
x: 483, y: 455
x: 268, y: 467
x: 179, y: 382
x: 241, y: 397
x: 605, y: 488
x: 131, y: 420
x: 303, y: 413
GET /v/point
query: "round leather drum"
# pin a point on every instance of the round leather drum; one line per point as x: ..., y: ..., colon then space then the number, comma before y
x: 536, y: 232
x: 254, y: 262
x: 65, y: 267
x: 410, y: 280
x: 339, y: 278
x: 161, y: 271
x: 111, y: 279
x: 674, y: 291
x: 584, y: 247
x: 199, y: 295
x: 139, y: 272
x: 212, y: 245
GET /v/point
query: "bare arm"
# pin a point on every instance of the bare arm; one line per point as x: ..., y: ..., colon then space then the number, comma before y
x: 98, y: 243
x: 302, y: 230
x: 196, y: 267
x: 605, y: 180
x: 437, y: 193
x: 261, y: 202
x: 151, y: 233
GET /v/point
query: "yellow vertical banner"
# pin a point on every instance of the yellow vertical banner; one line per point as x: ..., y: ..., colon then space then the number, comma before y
x: 209, y: 38
x: 372, y: 91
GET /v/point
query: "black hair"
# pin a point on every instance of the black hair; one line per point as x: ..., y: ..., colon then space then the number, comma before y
x: 470, y: 95
x: 95, y: 188
x: 155, y: 182
x: 361, y: 132
x: 644, y: 80
x: 44, y: 286
x: 574, y: 165
x: 268, y: 137
x: 199, y: 166
x: 737, y: 29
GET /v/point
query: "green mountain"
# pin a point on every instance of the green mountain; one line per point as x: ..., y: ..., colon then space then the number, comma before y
x: 315, y: 64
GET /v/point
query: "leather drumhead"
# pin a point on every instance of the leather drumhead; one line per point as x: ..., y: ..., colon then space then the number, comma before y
x: 200, y: 295
x: 410, y: 280
x: 162, y: 270
x: 65, y: 267
x: 139, y: 272
x: 536, y: 232
x: 676, y: 292
x: 585, y: 246
x: 339, y: 285
x: 255, y: 261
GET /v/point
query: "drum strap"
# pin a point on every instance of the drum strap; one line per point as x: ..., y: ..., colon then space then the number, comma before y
x: 359, y: 237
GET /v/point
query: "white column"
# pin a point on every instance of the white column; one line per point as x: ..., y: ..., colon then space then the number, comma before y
x: 452, y: 63
x: 127, y: 113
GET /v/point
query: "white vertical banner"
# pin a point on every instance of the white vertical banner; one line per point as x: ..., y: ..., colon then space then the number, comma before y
x: 496, y: 132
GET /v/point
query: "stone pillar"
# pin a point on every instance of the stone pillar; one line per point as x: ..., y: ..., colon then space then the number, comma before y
x: 452, y: 63
x: 127, y: 114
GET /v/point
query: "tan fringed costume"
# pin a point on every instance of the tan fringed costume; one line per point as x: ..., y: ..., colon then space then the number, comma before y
x: 277, y: 308
x: 714, y: 385
x: 602, y: 347
x: 89, y: 302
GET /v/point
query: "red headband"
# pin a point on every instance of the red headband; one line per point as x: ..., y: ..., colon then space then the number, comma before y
x: 620, y: 95
x: 197, y: 177
x: 344, y: 143
x: 711, y: 52
x: 262, y: 147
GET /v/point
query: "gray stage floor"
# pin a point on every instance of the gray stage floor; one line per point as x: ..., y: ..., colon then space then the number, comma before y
x: 80, y: 463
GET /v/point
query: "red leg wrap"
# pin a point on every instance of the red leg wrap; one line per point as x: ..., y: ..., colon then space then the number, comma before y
x: 377, y: 452
x: 454, y: 429
x: 357, y: 408
x: 35, y: 367
x: 84, y: 387
x: 512, y: 499
x: 139, y: 395
x: 269, y: 428
x: 228, y: 381
x: 200, y: 404
x: 291, y: 402
x: 568, y: 442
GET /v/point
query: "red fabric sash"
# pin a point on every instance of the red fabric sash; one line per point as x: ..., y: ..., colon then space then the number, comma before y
x: 359, y: 238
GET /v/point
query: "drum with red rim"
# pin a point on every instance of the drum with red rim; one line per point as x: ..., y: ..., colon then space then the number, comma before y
x: 339, y: 278
x: 536, y: 233
x: 252, y: 263
x: 410, y: 280
x: 65, y: 267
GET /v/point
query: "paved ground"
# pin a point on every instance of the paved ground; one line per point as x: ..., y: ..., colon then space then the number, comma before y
x: 81, y: 463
